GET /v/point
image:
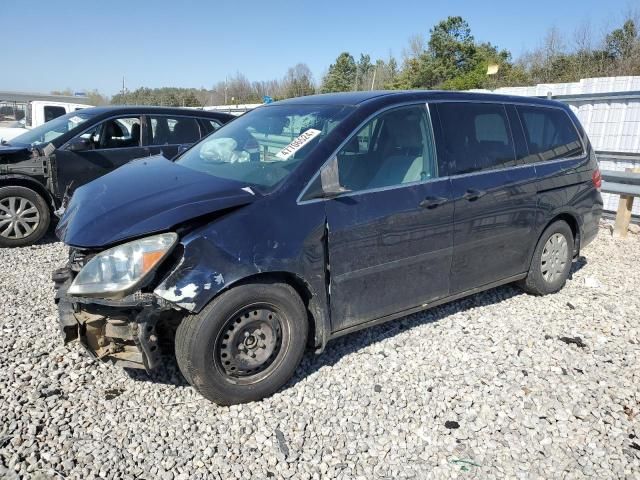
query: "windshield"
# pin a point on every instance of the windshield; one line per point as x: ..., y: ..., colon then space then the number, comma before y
x: 264, y: 146
x: 51, y: 130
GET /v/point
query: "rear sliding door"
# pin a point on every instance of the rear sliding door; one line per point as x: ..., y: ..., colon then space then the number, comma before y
x: 494, y: 192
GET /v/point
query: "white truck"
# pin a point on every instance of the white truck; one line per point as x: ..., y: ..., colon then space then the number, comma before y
x: 18, y: 117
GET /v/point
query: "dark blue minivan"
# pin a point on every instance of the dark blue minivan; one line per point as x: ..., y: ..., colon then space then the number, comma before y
x: 310, y: 218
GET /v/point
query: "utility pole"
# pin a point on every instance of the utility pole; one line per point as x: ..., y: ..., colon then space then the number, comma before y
x: 374, y: 77
x: 123, y: 87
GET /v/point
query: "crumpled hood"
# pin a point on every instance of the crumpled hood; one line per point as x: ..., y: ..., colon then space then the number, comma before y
x: 145, y: 196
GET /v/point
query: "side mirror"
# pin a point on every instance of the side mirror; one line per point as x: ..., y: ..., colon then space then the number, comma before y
x: 327, y: 184
x: 330, y: 180
x: 79, y: 144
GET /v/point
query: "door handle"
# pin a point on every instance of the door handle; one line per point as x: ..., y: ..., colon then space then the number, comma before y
x: 473, y: 194
x: 432, y: 202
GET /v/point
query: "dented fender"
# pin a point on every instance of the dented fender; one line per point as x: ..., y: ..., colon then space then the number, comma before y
x: 212, y: 263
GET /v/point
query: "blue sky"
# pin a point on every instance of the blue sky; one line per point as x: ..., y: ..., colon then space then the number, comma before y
x: 57, y: 44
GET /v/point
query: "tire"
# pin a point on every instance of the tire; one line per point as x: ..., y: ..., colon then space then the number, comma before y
x: 244, y: 345
x: 31, y: 212
x: 551, y: 275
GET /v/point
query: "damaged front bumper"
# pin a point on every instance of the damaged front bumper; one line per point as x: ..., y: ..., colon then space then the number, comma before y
x: 123, y: 331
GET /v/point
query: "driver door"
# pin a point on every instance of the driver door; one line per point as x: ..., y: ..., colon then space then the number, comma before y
x: 111, y: 144
x: 391, y: 236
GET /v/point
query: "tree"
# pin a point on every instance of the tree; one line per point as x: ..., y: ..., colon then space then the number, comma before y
x: 67, y: 92
x: 616, y: 53
x: 364, y: 72
x: 622, y: 41
x: 298, y: 81
x: 451, y: 52
x: 452, y: 47
x: 341, y: 76
x: 166, y: 96
x: 96, y: 98
x: 236, y: 89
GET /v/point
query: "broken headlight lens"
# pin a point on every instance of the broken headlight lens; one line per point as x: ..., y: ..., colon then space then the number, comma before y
x: 121, y: 269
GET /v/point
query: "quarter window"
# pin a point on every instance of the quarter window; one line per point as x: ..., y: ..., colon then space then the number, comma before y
x: 550, y: 134
x: 394, y: 148
x: 475, y: 137
x: 213, y: 124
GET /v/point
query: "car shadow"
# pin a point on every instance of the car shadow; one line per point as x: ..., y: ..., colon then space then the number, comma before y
x: 353, y: 342
x: 169, y: 372
x: 48, y: 239
x: 577, y: 265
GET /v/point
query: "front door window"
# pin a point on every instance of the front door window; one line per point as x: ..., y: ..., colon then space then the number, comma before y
x: 394, y: 148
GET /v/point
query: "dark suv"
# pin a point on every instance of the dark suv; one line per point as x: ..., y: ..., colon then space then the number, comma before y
x: 313, y: 217
x: 41, y: 166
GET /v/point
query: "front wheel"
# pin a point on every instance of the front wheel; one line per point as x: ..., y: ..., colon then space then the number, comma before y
x: 24, y: 217
x: 551, y: 262
x: 245, y: 344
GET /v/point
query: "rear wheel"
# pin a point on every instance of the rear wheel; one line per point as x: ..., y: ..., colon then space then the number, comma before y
x: 551, y: 261
x: 24, y: 217
x: 245, y: 344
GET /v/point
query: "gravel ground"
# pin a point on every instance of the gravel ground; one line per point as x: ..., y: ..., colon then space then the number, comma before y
x: 499, y: 385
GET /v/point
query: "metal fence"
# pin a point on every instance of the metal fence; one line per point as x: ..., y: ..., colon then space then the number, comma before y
x: 617, y: 162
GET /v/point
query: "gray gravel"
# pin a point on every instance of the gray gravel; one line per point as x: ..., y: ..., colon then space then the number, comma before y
x: 499, y: 385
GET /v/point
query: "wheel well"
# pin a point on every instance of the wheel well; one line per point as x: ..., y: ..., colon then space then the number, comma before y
x: 301, y: 287
x: 573, y: 224
x: 36, y: 187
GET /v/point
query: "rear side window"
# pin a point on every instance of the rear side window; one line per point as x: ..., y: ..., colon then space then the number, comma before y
x: 167, y: 130
x: 550, y: 134
x: 475, y: 137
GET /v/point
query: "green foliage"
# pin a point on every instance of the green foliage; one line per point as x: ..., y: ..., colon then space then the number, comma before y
x: 364, y: 69
x: 453, y: 60
x: 622, y: 41
x: 341, y: 76
x: 451, y: 50
x: 450, y: 58
x: 167, y: 96
x: 96, y: 98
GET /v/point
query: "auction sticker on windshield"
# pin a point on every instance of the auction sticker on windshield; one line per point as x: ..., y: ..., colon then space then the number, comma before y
x: 298, y: 143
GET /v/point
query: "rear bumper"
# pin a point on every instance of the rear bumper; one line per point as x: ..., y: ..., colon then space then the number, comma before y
x: 120, y: 331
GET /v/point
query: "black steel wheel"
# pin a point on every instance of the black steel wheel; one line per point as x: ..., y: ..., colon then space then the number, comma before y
x: 250, y: 342
x: 244, y: 345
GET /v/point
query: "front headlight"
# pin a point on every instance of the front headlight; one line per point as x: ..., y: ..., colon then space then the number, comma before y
x: 120, y: 270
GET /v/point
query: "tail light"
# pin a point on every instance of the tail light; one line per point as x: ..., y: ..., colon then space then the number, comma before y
x: 596, y: 178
